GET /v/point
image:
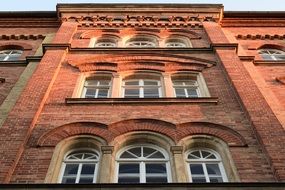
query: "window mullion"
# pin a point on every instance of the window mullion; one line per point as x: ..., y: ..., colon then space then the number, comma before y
x: 186, y: 92
x: 142, y: 172
x: 141, y: 86
x: 78, y: 173
x: 6, y: 57
x: 95, y: 173
x: 222, y: 170
x: 96, y: 92
x: 205, y: 172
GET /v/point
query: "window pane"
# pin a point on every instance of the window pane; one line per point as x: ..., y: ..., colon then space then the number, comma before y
x: 152, y: 83
x: 148, y: 151
x: 279, y: 57
x: 2, y: 57
x: 151, y: 93
x: 156, y: 168
x: 132, y: 93
x: 196, y: 169
x: 103, y: 93
x: 177, y: 83
x: 86, y: 180
x: 68, y: 180
x: 13, y: 57
x: 157, y: 179
x: 127, y: 155
x: 199, y: 180
x: 192, y: 92
x: 91, y: 82
x: 216, y: 179
x: 132, y: 83
x: 104, y: 82
x: 88, y: 169
x: 128, y: 180
x: 157, y: 155
x: 190, y: 82
x: 205, y: 154
x: 196, y: 154
x: 90, y: 93
x: 136, y: 151
x: 180, y: 92
x: 129, y: 168
x: 213, y: 169
x: 70, y: 169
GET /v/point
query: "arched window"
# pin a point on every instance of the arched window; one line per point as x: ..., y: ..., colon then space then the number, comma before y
x: 141, y: 42
x: 10, y: 55
x: 177, y: 41
x: 141, y: 88
x: 80, y: 167
x: 106, y: 42
x: 143, y: 164
x: 272, y: 54
x: 173, y: 43
x: 97, y: 87
x: 205, y: 165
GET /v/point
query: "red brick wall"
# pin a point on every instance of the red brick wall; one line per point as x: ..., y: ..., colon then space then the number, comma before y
x: 41, y: 109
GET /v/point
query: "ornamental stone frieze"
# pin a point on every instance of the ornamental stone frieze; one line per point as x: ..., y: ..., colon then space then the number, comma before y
x: 140, y: 15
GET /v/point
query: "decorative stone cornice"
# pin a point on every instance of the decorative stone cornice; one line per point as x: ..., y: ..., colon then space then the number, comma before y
x: 260, y: 37
x: 152, y: 61
x: 41, y: 19
x: 117, y: 15
x: 21, y: 37
x: 253, y: 19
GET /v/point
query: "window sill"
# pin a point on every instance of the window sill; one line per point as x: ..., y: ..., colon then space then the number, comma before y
x: 208, y: 100
x: 14, y: 63
x: 269, y: 62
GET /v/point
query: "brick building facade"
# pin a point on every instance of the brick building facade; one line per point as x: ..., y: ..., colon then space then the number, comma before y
x: 142, y: 94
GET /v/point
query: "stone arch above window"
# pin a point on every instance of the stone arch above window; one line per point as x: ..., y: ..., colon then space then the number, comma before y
x: 228, y: 135
x: 53, y: 137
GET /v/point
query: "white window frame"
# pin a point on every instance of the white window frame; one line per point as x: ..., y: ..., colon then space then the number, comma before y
x: 143, y: 161
x: 203, y: 162
x: 8, y: 53
x: 97, y: 87
x: 141, y: 41
x: 140, y: 44
x: 186, y: 87
x: 80, y: 162
x: 105, y: 44
x: 267, y: 54
x: 175, y: 44
x: 141, y: 86
x: 202, y: 89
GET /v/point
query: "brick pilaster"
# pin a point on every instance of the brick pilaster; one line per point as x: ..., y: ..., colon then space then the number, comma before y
x: 265, y: 125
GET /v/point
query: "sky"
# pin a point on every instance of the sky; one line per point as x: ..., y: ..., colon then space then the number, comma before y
x: 229, y: 5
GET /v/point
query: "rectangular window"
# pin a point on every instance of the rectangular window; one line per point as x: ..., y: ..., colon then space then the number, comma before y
x: 141, y: 88
x: 186, y: 88
x: 96, y: 88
